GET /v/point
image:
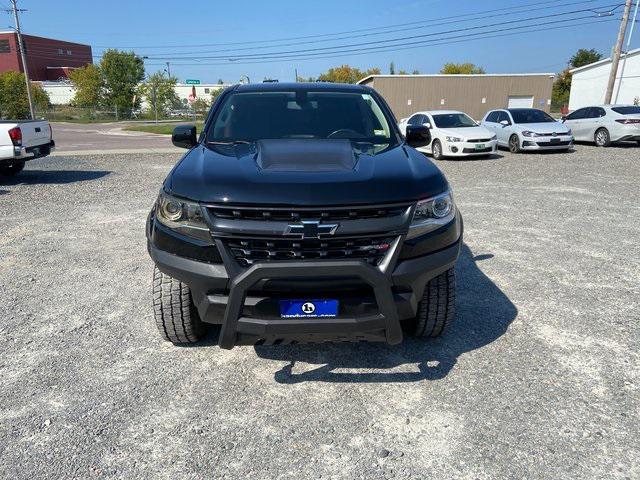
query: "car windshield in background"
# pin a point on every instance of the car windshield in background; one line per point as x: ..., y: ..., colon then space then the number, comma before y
x: 453, y: 120
x: 531, y: 116
x: 632, y: 110
x: 251, y: 116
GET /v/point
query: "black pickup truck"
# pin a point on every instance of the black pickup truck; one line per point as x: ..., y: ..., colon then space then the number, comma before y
x: 301, y: 214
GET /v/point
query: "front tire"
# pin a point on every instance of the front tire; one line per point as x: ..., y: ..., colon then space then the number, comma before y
x: 514, y: 144
x: 436, y: 149
x: 602, y: 137
x: 436, y: 310
x: 12, y: 169
x: 176, y: 316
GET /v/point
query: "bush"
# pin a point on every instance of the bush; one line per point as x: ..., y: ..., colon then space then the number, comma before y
x: 14, y: 102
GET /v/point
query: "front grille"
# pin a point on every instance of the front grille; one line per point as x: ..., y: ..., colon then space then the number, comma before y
x: 479, y: 140
x: 476, y: 150
x: 552, y: 135
x: 553, y: 144
x: 247, y: 251
x: 326, y: 213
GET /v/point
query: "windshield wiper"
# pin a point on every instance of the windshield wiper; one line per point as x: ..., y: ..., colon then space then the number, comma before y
x: 232, y: 142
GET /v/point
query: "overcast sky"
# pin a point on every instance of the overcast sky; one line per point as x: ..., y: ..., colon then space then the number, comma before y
x: 175, y: 29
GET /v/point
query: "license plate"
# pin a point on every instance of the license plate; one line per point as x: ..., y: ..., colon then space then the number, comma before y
x: 479, y: 146
x: 555, y: 140
x: 308, y: 308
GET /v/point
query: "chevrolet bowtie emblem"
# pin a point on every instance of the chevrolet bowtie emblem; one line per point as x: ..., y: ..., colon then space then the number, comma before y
x: 311, y: 229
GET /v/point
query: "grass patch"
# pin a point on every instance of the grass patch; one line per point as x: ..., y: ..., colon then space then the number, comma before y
x: 162, y: 129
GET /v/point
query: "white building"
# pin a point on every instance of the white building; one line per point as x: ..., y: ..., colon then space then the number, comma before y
x: 61, y: 93
x: 589, y: 83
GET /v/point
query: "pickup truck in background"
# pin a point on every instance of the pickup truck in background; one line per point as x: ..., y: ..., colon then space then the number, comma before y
x: 22, y: 140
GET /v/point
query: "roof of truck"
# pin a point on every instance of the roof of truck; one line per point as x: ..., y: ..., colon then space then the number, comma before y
x: 297, y: 86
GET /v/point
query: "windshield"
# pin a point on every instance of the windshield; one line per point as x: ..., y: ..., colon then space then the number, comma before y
x: 627, y: 110
x: 453, y: 120
x: 531, y: 116
x: 251, y: 116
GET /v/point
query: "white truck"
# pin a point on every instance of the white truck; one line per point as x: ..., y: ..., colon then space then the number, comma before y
x: 22, y: 140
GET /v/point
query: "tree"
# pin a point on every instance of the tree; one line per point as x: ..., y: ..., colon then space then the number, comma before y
x: 402, y: 72
x: 584, y: 57
x: 88, y: 84
x: 14, y: 103
x: 346, y: 74
x: 415, y: 72
x: 159, y: 92
x: 122, y: 72
x: 461, y: 69
x: 200, y: 105
x: 392, y: 69
x: 215, y: 93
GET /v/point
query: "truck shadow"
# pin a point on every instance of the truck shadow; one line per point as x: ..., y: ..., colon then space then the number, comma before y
x: 484, y: 314
x: 37, y: 177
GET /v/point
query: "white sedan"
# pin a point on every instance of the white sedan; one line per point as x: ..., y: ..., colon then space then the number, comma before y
x: 604, y: 124
x: 528, y: 129
x: 453, y: 134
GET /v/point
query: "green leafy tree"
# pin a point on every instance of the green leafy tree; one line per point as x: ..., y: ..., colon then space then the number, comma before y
x: 346, y: 74
x: 14, y: 102
x: 584, y: 57
x: 415, y: 72
x: 461, y: 69
x: 122, y: 72
x: 88, y: 84
x: 216, y: 93
x: 159, y: 92
x: 200, y: 105
x: 403, y: 72
x: 392, y: 69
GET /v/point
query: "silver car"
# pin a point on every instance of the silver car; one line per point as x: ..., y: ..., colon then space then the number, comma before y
x: 604, y: 124
x: 528, y: 129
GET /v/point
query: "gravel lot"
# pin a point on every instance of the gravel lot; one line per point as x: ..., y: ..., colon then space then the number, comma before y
x: 538, y: 378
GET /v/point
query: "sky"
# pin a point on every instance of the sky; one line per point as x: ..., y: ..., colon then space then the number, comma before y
x: 236, y: 32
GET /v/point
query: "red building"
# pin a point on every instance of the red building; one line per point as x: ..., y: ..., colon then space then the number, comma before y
x: 47, y: 59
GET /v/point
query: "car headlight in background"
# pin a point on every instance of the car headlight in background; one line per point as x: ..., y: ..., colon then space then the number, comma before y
x: 182, y: 216
x: 454, y: 139
x: 528, y: 133
x: 432, y: 213
x: 569, y: 132
x: 495, y: 137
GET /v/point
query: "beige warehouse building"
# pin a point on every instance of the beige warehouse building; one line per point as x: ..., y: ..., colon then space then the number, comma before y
x: 473, y: 94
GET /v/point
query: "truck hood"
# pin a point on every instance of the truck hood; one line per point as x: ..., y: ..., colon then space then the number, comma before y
x: 304, y: 173
x: 545, y: 127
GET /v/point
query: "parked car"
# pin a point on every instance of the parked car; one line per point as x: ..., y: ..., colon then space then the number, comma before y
x: 604, y: 124
x: 300, y: 213
x: 528, y: 129
x: 452, y: 134
x: 23, y: 140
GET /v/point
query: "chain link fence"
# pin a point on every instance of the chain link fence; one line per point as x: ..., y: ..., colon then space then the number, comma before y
x: 68, y: 113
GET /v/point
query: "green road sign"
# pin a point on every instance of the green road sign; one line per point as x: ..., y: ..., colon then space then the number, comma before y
x: 192, y: 82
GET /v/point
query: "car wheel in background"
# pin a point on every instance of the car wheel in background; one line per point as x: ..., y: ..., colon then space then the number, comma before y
x: 602, y: 137
x: 514, y: 144
x: 12, y: 170
x: 436, y: 148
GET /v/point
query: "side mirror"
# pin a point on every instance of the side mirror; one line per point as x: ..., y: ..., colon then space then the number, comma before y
x: 184, y: 136
x: 563, y: 118
x: 418, y: 135
x: 505, y: 123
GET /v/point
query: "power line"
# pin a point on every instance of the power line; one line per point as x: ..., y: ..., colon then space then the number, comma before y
x: 340, y: 48
x: 424, y: 44
x: 459, y: 16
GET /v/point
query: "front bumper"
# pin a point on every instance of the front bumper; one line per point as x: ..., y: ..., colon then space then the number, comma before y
x: 560, y: 142
x: 469, y: 149
x: 374, y: 300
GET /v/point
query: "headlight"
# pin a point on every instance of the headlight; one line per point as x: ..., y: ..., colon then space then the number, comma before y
x: 454, y: 139
x: 527, y: 133
x: 182, y: 216
x: 495, y: 137
x: 432, y: 213
x: 569, y: 132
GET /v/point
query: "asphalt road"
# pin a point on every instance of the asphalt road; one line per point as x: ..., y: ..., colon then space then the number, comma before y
x: 99, y: 138
x: 538, y: 378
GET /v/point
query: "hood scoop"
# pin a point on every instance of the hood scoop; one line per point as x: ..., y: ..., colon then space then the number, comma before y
x: 293, y: 155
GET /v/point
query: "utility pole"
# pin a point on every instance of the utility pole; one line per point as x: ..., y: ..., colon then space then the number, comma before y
x: 168, y: 70
x: 615, y: 59
x: 626, y: 53
x: 15, y: 9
